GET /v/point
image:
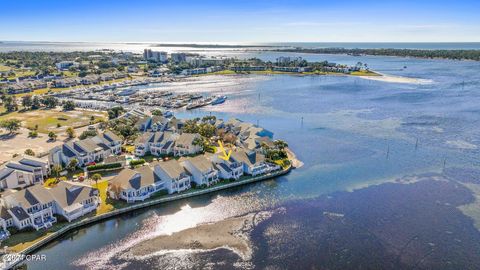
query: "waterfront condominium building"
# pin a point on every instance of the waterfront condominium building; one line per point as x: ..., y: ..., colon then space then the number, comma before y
x: 178, y: 57
x: 150, y: 55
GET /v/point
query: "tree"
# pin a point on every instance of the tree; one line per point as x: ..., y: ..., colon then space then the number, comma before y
x: 87, y: 133
x: 27, y: 101
x: 206, y: 130
x: 69, y: 105
x: 35, y: 103
x: 29, y: 152
x: 50, y: 102
x: 190, y: 126
x: 10, y: 103
x: 280, y: 144
x: 56, y: 170
x: 115, y: 112
x: 33, y: 134
x: 11, y: 125
x: 70, y: 132
x: 157, y: 112
x: 52, y: 136
x: 96, y: 177
x: 72, y: 164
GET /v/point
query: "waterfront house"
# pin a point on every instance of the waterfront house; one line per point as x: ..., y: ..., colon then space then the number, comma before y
x: 202, y: 170
x: 187, y: 144
x: 6, y: 221
x: 30, y: 207
x: 73, y: 200
x: 23, y: 171
x: 157, y: 143
x: 135, y: 185
x: 227, y: 169
x: 292, y: 69
x: 248, y: 68
x: 254, y: 142
x: 253, y: 162
x: 93, y: 149
x: 174, y: 175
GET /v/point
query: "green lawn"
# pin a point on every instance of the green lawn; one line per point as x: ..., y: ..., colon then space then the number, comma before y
x: 47, y: 120
x: 4, y: 68
x: 18, y: 241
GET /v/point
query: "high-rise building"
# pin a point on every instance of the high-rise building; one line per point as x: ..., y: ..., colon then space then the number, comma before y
x: 150, y: 55
x: 178, y: 57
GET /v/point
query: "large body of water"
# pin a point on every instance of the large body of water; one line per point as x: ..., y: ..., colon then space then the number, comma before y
x: 349, y: 206
x: 7, y: 46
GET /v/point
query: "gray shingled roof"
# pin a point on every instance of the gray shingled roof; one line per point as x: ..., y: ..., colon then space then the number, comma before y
x: 135, y: 179
x: 172, y: 168
x: 66, y: 193
x: 19, y: 213
x: 201, y: 163
x: 5, y: 172
x: 31, y: 196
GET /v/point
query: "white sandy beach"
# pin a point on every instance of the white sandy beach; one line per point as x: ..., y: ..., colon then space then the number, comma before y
x: 396, y: 79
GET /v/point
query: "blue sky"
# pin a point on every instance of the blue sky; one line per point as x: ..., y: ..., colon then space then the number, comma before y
x: 241, y: 21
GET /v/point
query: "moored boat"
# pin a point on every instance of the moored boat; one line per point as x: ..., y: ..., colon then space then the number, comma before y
x: 219, y: 100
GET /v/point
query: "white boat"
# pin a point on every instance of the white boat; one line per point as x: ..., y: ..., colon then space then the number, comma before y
x: 219, y: 100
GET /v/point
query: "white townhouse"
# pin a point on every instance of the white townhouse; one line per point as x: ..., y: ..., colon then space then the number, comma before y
x: 244, y: 130
x: 30, y: 207
x: 6, y: 221
x: 73, y: 200
x: 185, y: 144
x: 23, y: 171
x: 253, y: 162
x: 135, y: 185
x: 143, y: 142
x: 153, y: 123
x: 227, y: 169
x: 92, y: 149
x: 157, y: 143
x: 174, y: 175
x: 202, y: 170
x: 35, y: 206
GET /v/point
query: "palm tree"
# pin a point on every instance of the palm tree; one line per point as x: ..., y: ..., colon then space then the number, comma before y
x: 52, y: 136
x: 56, y: 170
x: 72, y: 164
x: 280, y: 144
x: 96, y: 177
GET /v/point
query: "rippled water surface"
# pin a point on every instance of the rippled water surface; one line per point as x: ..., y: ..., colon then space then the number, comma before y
x: 349, y: 206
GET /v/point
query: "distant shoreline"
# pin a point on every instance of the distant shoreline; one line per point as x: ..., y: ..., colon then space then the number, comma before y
x: 457, y: 54
x: 194, y: 45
